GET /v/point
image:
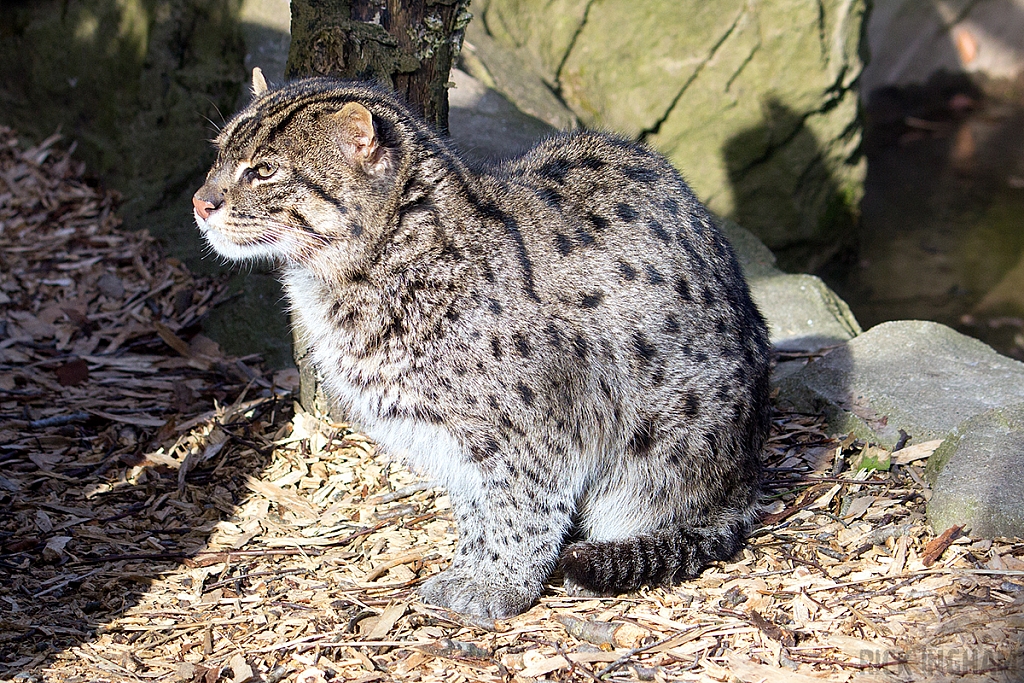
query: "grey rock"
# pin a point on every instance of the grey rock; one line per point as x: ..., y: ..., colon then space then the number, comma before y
x: 803, y: 314
x: 922, y: 377
x: 110, y: 285
x: 515, y: 73
x: 755, y: 258
x: 977, y: 476
x: 485, y: 125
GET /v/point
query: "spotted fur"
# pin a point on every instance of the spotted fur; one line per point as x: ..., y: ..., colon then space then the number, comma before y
x: 563, y: 340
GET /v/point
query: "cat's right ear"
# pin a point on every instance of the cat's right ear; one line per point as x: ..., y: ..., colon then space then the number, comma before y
x: 259, y: 83
x: 358, y: 138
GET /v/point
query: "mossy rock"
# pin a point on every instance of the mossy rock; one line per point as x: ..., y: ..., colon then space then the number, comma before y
x: 977, y: 476
x: 754, y: 103
x: 917, y: 376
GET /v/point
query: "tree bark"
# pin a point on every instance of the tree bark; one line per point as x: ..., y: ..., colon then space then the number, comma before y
x: 408, y: 46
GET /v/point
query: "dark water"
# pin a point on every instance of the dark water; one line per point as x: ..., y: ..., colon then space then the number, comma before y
x: 941, y: 233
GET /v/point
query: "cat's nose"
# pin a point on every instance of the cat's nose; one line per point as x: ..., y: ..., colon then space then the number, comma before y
x: 203, y: 207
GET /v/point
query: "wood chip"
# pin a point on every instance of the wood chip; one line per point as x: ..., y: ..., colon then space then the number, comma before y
x: 386, y: 621
x: 915, y: 452
x: 607, y: 635
x: 773, y: 631
x: 933, y: 551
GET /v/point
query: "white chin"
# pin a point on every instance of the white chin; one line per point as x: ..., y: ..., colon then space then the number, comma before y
x: 232, y: 250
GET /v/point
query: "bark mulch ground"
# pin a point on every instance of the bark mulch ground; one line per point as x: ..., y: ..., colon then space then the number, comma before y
x: 167, y: 513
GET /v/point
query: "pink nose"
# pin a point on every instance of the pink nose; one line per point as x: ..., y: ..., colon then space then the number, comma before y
x: 203, y: 207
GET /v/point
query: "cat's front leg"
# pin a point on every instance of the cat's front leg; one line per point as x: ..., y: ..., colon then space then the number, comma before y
x: 510, y: 535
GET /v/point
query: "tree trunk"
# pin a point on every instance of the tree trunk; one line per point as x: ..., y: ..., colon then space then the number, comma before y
x: 408, y: 46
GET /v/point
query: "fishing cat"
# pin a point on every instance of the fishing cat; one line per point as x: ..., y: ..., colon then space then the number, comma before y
x: 563, y: 340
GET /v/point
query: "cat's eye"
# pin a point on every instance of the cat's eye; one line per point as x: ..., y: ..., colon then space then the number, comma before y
x: 262, y: 171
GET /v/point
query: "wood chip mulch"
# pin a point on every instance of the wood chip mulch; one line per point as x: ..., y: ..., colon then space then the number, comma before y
x: 167, y: 514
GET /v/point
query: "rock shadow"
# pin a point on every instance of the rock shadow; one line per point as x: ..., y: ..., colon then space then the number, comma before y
x: 784, y: 192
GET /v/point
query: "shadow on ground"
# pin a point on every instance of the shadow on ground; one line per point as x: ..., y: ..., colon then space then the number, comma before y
x: 139, y: 87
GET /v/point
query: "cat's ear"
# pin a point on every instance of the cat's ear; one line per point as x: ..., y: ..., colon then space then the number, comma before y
x: 358, y: 138
x: 259, y: 83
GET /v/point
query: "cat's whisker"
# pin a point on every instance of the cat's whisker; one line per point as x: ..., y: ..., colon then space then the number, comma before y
x: 287, y: 230
x: 216, y: 126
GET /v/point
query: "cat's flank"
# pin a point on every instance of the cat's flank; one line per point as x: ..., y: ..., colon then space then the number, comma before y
x: 564, y: 341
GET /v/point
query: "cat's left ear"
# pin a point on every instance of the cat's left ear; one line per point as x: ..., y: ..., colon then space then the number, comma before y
x: 259, y: 83
x: 358, y: 138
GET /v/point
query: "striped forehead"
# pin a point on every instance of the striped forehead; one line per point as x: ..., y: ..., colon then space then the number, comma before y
x: 262, y: 121
x: 239, y: 128
x: 267, y: 116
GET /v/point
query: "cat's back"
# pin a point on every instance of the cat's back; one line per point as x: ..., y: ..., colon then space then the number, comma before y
x: 615, y: 221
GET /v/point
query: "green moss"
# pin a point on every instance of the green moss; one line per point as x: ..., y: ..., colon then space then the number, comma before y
x: 938, y: 460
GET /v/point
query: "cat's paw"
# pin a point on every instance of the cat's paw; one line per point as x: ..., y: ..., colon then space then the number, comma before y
x: 479, y: 593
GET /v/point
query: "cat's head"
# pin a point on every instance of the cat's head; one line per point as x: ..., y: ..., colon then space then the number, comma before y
x: 304, y: 173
